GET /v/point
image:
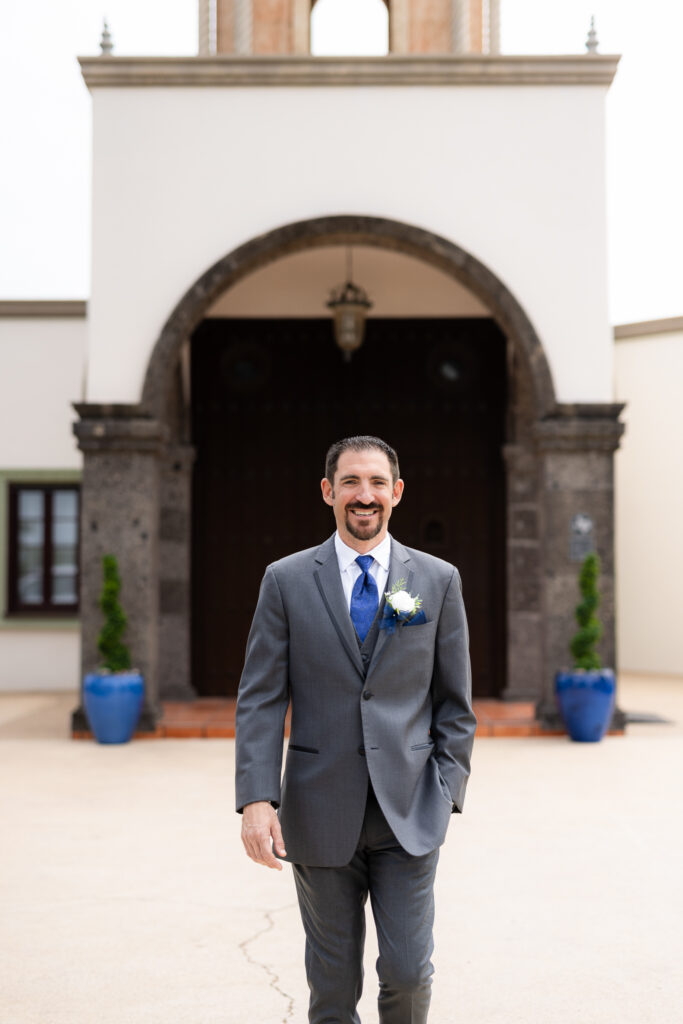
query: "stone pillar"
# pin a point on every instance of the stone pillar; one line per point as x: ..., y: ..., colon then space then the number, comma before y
x: 302, y: 26
x: 460, y: 26
x: 399, y: 27
x: 494, y: 26
x: 120, y: 516
x: 243, y: 27
x: 175, y: 542
x: 206, y: 28
x: 524, y: 585
x: 576, y: 446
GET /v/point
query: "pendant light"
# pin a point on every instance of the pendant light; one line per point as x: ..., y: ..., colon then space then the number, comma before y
x: 349, y: 304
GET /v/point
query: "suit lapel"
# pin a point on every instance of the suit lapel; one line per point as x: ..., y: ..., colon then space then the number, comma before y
x: 399, y: 569
x: 328, y: 581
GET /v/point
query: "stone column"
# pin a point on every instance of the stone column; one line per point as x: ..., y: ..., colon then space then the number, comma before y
x: 243, y: 27
x: 206, y: 28
x: 524, y: 588
x: 399, y: 28
x: 301, y: 30
x: 120, y: 516
x: 576, y: 446
x: 175, y: 542
x: 494, y: 26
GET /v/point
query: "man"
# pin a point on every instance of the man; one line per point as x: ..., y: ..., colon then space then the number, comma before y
x: 381, y: 737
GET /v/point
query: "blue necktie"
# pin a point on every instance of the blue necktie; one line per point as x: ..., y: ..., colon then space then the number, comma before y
x: 364, y: 598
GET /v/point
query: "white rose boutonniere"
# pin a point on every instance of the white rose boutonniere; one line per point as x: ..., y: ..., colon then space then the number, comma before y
x: 404, y: 602
x: 401, y: 608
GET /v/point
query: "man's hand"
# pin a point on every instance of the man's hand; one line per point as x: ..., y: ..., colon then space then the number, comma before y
x: 260, y: 824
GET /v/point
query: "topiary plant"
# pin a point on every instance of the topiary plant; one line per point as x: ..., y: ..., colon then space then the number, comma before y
x: 583, y: 644
x: 115, y: 654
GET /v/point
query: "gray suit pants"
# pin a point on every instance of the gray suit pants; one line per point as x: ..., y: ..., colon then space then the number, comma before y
x: 332, y: 904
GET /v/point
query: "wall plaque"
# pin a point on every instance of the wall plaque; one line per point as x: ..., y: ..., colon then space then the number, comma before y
x: 581, y: 539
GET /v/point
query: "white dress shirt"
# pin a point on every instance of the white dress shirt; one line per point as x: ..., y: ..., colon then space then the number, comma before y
x: 350, y: 570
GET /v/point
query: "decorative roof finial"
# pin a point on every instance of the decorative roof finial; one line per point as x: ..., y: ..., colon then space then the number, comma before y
x: 106, y: 44
x: 592, y: 39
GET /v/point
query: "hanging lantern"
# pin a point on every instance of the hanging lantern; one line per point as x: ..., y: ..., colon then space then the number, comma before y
x: 350, y: 305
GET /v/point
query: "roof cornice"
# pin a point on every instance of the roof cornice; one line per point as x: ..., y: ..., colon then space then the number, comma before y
x: 643, y: 328
x: 31, y: 308
x: 472, y: 69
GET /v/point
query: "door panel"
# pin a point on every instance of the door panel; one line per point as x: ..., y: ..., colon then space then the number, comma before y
x: 269, y: 396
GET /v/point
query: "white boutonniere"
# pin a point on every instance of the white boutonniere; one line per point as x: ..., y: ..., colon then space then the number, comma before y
x: 401, y: 608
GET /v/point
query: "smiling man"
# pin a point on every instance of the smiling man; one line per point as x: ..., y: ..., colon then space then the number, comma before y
x: 368, y: 641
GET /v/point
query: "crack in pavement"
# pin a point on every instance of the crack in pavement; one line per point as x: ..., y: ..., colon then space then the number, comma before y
x: 273, y: 978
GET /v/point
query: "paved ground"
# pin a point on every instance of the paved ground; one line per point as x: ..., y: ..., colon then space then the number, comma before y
x: 125, y: 897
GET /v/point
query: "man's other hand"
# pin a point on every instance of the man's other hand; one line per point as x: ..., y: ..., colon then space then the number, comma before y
x: 260, y: 826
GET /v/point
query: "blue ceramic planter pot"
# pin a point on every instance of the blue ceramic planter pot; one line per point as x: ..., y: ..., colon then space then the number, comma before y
x: 586, y: 702
x: 113, y: 701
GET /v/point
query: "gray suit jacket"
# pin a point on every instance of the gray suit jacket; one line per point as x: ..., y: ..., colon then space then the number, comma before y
x: 405, y: 718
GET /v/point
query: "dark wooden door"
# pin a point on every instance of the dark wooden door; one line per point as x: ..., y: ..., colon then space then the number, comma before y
x: 269, y: 396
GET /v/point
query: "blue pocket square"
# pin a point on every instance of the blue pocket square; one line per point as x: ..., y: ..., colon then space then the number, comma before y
x: 391, y: 619
x: 416, y: 620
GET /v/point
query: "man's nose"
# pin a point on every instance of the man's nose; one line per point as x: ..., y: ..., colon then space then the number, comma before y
x: 364, y: 494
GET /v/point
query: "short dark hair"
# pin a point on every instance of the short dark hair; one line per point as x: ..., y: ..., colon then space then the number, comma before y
x: 363, y: 443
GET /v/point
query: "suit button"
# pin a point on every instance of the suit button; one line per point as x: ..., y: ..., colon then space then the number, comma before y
x: 367, y: 694
x: 364, y: 658
x: 361, y: 751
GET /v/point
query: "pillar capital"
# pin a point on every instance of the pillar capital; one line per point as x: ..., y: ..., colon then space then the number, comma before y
x: 581, y: 427
x: 117, y: 428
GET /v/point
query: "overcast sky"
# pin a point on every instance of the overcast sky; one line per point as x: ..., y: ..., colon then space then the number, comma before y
x: 45, y: 131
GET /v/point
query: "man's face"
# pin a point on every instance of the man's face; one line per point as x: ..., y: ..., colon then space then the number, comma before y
x: 362, y: 497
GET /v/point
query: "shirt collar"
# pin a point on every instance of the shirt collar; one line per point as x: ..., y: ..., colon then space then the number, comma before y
x: 346, y: 555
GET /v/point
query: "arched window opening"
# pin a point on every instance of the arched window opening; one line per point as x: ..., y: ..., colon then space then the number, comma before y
x: 349, y: 28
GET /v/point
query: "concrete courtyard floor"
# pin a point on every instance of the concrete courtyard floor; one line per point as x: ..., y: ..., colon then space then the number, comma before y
x: 125, y: 897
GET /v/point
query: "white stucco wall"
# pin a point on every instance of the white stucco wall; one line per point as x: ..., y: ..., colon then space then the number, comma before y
x: 512, y: 174
x: 649, y: 504
x: 39, y: 659
x: 397, y: 285
x: 43, y: 367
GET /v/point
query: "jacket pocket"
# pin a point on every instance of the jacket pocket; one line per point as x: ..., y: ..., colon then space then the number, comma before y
x: 422, y: 746
x: 303, y: 750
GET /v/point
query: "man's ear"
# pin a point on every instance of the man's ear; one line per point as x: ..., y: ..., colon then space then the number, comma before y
x: 328, y: 492
x: 397, y: 492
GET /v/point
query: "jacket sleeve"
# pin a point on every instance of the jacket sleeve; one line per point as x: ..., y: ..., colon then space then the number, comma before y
x: 453, y: 721
x: 262, y: 700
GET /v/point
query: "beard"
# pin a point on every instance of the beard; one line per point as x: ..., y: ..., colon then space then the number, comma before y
x: 356, y: 527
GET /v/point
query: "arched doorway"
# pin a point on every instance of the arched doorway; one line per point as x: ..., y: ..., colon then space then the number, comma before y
x: 457, y: 397
x: 533, y: 369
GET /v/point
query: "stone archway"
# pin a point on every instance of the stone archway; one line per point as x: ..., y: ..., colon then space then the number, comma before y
x: 345, y: 230
x: 558, y: 459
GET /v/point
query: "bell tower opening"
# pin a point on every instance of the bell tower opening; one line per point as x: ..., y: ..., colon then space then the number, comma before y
x: 349, y: 27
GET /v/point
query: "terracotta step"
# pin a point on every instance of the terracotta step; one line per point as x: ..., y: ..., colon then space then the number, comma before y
x: 214, y: 718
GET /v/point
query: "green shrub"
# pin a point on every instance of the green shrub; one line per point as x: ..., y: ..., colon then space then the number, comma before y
x: 115, y: 654
x: 583, y: 644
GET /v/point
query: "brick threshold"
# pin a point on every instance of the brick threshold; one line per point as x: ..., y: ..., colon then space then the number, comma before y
x: 214, y: 718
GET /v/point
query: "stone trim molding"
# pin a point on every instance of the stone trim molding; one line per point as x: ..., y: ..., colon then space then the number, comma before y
x: 581, y: 427
x: 31, y: 308
x: 347, y: 230
x: 646, y: 327
x: 120, y: 428
x: 394, y: 69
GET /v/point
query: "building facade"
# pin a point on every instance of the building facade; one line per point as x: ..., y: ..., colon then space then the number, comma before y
x: 231, y: 192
